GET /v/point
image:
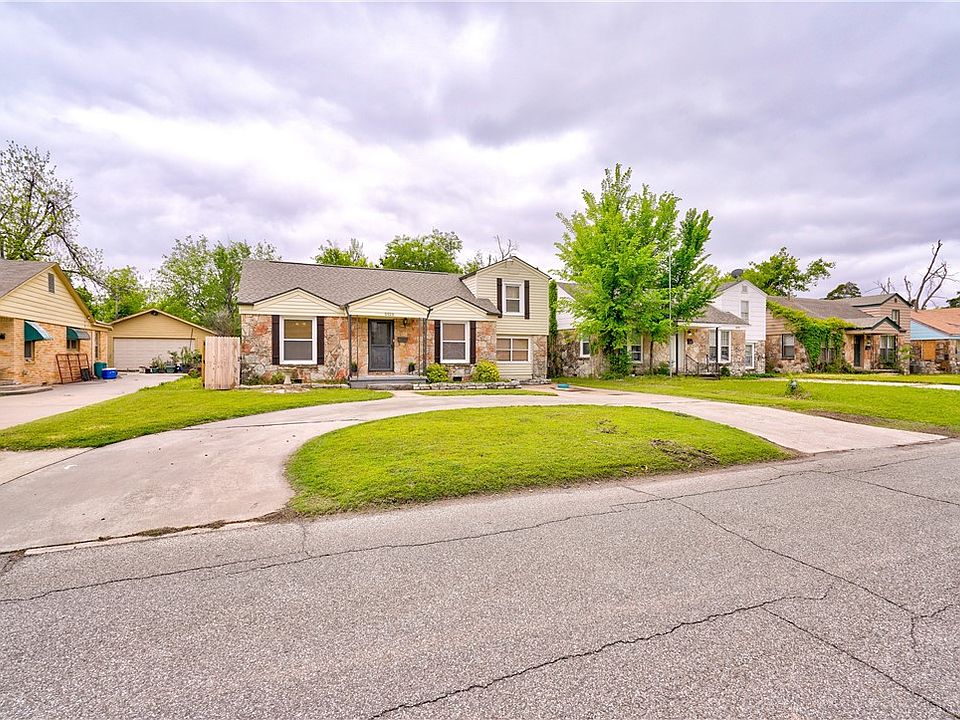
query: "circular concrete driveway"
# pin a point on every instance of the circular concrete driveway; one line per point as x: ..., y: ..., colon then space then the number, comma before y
x: 233, y: 470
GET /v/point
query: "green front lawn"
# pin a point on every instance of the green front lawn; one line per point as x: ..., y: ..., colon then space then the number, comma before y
x: 502, y: 391
x: 169, y: 406
x: 880, y: 377
x: 911, y: 408
x: 450, y: 453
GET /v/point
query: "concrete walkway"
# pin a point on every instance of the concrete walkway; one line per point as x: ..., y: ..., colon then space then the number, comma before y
x: 17, y: 409
x: 233, y: 470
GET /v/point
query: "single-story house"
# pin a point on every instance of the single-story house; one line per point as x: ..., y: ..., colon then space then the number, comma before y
x: 325, y: 322
x: 47, y: 333
x: 138, y: 339
x: 730, y: 332
x: 935, y: 336
x: 877, y: 326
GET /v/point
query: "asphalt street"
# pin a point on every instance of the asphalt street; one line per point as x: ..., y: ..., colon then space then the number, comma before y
x: 820, y: 588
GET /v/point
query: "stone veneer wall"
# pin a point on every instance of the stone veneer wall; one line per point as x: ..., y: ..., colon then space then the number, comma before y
x: 946, y: 358
x: 42, y: 370
x: 569, y: 361
x: 256, y: 352
x: 256, y: 349
x: 486, y: 347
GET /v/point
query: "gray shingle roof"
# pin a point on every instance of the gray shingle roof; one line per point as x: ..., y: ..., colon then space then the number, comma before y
x: 823, y: 309
x: 262, y: 279
x: 13, y: 273
x: 715, y: 316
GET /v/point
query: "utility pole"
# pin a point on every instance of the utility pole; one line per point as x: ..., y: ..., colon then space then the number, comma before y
x: 672, y: 342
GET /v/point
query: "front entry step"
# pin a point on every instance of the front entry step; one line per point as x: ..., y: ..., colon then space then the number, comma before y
x: 387, y: 382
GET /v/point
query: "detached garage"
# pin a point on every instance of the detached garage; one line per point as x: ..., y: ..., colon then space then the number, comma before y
x: 139, y: 338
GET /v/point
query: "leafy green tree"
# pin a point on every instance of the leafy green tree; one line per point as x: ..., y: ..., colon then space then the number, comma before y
x: 781, y: 274
x: 121, y: 292
x: 199, y: 282
x: 954, y: 303
x: 436, y: 251
x: 38, y: 220
x: 351, y: 256
x: 844, y: 290
x: 625, y: 251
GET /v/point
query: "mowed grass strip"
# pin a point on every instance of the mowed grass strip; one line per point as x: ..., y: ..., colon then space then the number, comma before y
x: 910, y: 408
x: 943, y: 379
x: 169, y: 406
x: 451, y: 453
x: 477, y: 391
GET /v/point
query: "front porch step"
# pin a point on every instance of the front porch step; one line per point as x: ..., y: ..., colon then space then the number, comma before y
x: 387, y: 382
x: 15, y: 389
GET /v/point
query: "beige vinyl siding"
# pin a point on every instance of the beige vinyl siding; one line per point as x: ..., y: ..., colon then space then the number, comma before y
x: 387, y: 304
x: 776, y: 325
x: 884, y: 310
x: 156, y: 326
x: 33, y: 301
x: 295, y: 302
x: 471, y: 283
x: 486, y: 287
x: 515, y: 371
x: 458, y: 310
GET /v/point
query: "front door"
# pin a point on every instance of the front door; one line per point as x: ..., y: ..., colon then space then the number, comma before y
x: 380, y: 346
x: 858, y: 351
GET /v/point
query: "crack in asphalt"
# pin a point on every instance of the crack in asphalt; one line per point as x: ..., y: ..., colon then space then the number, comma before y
x: 917, y: 619
x: 903, y: 492
x: 863, y: 662
x: 619, y: 642
x: 792, y: 558
x: 137, y: 578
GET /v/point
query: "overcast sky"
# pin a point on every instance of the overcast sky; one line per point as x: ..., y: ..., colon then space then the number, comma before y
x: 831, y: 129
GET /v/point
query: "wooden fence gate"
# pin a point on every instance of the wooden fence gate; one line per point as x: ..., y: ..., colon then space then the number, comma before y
x: 221, y: 363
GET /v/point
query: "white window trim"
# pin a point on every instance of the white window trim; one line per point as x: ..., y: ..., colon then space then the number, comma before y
x: 753, y: 356
x: 582, y: 341
x: 630, y: 347
x: 523, y: 300
x: 511, y: 338
x: 783, y: 346
x: 720, y: 345
x: 747, y: 316
x: 466, y: 344
x: 313, y: 340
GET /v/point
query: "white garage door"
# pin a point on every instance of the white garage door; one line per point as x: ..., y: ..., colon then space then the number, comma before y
x: 134, y: 353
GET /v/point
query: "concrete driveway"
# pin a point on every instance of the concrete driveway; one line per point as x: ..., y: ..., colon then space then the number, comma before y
x: 233, y: 470
x: 822, y: 588
x: 17, y: 409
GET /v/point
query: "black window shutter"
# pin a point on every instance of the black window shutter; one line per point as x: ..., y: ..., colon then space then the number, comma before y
x: 526, y: 299
x: 275, y: 330
x: 473, y: 341
x: 500, y: 294
x: 436, y: 341
x: 320, y: 354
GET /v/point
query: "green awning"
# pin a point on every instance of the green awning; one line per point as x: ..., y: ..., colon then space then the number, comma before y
x: 77, y: 334
x: 32, y: 331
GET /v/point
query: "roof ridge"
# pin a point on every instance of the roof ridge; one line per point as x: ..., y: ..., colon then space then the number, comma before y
x: 354, y: 267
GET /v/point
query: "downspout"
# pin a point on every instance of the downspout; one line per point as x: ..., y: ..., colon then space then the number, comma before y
x: 349, y: 342
x: 423, y: 344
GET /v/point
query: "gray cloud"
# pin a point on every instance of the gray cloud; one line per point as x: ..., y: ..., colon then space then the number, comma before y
x: 827, y: 128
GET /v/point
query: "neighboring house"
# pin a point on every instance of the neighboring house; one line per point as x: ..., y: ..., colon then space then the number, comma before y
x: 730, y: 332
x: 325, y: 322
x: 877, y: 327
x: 935, y: 336
x: 45, y: 328
x: 138, y: 339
